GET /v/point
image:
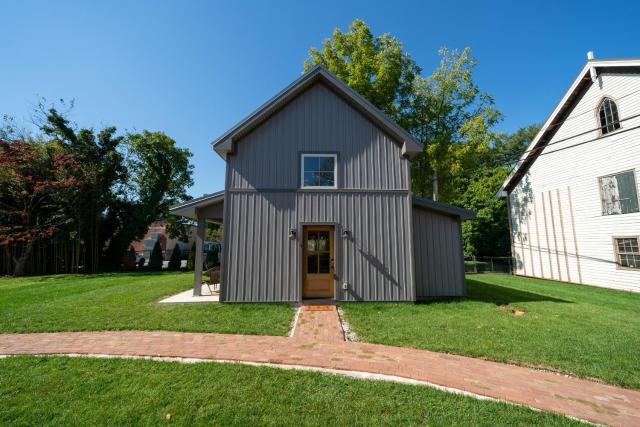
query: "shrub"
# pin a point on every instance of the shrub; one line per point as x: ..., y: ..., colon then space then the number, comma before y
x: 129, y: 261
x: 212, y: 257
x: 191, y: 261
x: 176, y: 258
x: 155, y: 261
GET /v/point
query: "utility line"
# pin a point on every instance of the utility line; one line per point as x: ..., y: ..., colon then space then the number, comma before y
x: 622, y: 130
x: 590, y: 110
x: 588, y: 141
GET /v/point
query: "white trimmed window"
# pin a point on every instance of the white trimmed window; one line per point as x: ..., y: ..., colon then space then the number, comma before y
x: 627, y: 252
x: 608, y: 116
x: 319, y: 171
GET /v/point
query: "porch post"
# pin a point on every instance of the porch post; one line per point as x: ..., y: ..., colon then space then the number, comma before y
x: 197, y: 276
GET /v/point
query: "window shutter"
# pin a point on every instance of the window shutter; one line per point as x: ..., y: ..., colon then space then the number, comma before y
x: 628, y: 192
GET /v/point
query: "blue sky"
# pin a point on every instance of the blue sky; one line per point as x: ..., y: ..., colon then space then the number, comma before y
x: 194, y: 68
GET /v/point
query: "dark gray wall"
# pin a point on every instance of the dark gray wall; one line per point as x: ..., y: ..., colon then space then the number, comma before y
x: 261, y: 262
x: 318, y: 120
x: 264, y: 263
x: 439, y: 262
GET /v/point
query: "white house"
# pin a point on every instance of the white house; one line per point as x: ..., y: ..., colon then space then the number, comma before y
x: 573, y: 197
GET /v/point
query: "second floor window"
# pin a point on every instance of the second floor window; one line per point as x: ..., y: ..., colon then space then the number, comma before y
x: 319, y: 171
x: 608, y: 116
x: 619, y: 193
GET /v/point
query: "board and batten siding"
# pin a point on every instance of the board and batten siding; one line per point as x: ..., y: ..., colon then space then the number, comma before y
x: 318, y: 121
x: 263, y: 202
x: 439, y: 262
x: 559, y: 231
x: 264, y: 264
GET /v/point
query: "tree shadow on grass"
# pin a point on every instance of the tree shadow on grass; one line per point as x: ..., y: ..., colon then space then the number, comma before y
x: 496, y: 294
x: 500, y: 295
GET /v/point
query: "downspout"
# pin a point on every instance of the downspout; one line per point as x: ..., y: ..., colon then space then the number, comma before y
x: 435, y: 185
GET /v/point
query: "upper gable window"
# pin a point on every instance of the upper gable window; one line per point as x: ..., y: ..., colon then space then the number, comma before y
x: 608, y: 116
x: 319, y: 171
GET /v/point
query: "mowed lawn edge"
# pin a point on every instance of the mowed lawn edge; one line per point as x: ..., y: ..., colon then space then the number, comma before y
x: 126, y: 301
x: 583, y: 331
x: 86, y: 391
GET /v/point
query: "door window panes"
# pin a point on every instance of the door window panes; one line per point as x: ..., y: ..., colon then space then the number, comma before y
x: 318, y: 252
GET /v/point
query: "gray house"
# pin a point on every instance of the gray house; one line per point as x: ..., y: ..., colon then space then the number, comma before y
x: 317, y: 204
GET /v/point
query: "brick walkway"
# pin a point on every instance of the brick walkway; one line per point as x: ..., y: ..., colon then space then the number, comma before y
x: 579, y: 398
x: 319, y: 323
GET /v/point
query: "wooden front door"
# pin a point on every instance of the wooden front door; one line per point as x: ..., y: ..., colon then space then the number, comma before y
x: 317, y: 269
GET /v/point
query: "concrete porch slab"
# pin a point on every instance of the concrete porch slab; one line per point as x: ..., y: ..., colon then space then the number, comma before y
x: 187, y: 296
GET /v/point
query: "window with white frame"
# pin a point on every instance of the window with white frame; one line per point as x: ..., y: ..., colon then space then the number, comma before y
x: 619, y: 193
x: 319, y: 171
x: 608, y: 116
x: 627, y: 252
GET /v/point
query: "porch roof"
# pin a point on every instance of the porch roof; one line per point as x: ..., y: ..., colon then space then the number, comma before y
x: 208, y: 206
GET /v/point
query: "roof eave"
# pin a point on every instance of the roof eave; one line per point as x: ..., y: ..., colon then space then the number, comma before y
x: 444, y: 208
x: 515, y: 175
x: 187, y: 209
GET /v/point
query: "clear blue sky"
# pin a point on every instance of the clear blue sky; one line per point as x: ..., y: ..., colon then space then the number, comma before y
x: 193, y: 69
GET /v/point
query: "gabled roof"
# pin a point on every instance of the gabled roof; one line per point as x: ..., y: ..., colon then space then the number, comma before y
x: 224, y: 144
x: 587, y: 75
x: 443, y: 208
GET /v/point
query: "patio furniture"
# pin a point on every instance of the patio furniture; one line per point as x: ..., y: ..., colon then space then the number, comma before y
x: 214, y: 279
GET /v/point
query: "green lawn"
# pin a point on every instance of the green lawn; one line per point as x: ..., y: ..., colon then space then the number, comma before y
x: 126, y: 301
x: 52, y: 391
x: 586, y: 331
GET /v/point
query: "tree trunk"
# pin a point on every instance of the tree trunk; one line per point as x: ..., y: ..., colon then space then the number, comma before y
x: 435, y: 185
x: 20, y: 264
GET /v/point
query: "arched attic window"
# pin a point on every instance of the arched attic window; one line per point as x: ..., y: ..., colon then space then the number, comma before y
x: 608, y: 116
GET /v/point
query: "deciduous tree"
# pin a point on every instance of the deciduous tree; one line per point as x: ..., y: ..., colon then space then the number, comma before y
x: 377, y: 67
x: 454, y: 120
x: 129, y: 182
x: 35, y: 179
x: 159, y: 174
x: 445, y: 111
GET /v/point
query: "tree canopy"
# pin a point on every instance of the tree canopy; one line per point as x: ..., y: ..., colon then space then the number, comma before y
x: 36, y: 178
x: 464, y: 159
x: 375, y: 66
x: 109, y: 186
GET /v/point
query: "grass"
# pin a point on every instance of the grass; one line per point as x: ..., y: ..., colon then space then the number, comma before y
x: 122, y: 301
x: 585, y: 331
x: 52, y: 391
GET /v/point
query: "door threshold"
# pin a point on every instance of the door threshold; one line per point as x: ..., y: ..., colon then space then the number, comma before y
x: 319, y: 301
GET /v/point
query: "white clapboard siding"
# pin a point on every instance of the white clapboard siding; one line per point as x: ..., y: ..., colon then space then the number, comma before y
x: 559, y: 196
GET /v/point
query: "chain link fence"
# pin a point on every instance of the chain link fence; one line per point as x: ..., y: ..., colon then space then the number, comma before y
x: 488, y: 264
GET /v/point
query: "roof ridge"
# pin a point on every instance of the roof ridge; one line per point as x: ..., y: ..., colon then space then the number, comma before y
x: 224, y: 143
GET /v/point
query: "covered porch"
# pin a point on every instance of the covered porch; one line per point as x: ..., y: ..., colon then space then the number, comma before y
x: 206, y: 209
